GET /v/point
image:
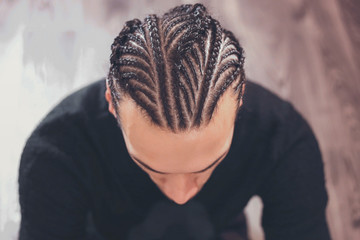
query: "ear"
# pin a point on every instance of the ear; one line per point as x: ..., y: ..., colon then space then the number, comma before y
x: 108, y: 98
x: 243, y: 91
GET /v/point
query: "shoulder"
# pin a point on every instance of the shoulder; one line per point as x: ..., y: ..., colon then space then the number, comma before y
x: 269, y: 110
x: 270, y: 123
x: 67, y: 127
x: 55, y: 170
x: 88, y: 101
x: 74, y: 110
x: 262, y: 103
x: 290, y: 173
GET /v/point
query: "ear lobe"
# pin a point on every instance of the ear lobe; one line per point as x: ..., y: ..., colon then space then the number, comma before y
x: 109, y: 100
x: 241, y: 102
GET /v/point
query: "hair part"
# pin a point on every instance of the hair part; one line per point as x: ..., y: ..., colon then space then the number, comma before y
x: 176, y: 67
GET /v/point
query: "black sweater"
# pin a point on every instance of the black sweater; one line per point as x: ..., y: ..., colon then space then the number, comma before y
x: 76, y: 177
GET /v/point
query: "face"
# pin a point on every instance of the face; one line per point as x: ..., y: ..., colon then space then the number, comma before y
x: 179, y: 164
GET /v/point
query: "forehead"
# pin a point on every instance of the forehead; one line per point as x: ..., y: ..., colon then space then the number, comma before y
x: 171, y: 152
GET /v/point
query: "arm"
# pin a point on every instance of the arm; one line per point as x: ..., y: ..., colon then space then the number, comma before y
x: 52, y: 198
x: 294, y: 195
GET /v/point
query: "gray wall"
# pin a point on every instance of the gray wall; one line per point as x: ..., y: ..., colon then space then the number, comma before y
x: 305, y: 51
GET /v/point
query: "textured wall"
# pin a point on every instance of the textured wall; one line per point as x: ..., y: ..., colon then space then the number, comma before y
x: 306, y: 51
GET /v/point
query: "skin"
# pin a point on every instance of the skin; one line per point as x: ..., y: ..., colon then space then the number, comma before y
x: 179, y: 157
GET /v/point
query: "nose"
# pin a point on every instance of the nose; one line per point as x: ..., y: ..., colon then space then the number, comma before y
x: 180, y: 188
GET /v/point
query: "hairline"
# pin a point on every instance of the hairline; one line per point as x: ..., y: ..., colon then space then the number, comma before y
x: 116, y: 102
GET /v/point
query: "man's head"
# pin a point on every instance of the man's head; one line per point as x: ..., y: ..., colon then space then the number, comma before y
x: 175, y: 86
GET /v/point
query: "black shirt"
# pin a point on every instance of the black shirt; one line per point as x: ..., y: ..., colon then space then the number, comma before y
x: 76, y: 177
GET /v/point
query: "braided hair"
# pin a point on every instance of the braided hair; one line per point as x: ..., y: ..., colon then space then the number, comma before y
x: 176, y: 67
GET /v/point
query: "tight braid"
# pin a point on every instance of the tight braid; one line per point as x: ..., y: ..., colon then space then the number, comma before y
x: 176, y: 67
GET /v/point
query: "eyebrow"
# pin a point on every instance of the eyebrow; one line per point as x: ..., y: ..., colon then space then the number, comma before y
x: 153, y: 170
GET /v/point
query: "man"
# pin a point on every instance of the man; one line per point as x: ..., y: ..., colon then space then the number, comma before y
x: 175, y: 149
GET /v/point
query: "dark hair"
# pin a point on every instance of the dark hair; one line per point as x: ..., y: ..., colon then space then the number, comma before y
x: 176, y: 67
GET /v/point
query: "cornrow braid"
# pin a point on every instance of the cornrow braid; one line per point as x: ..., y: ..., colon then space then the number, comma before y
x: 176, y: 67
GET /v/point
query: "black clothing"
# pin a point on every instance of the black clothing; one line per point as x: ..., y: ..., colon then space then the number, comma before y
x: 75, y: 172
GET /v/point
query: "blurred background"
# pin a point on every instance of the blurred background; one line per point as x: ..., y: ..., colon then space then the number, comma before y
x: 306, y: 51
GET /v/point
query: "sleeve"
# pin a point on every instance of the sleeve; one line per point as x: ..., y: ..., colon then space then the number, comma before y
x: 52, y: 199
x: 294, y: 195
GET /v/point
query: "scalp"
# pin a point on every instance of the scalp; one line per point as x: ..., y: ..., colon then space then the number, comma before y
x: 176, y: 67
